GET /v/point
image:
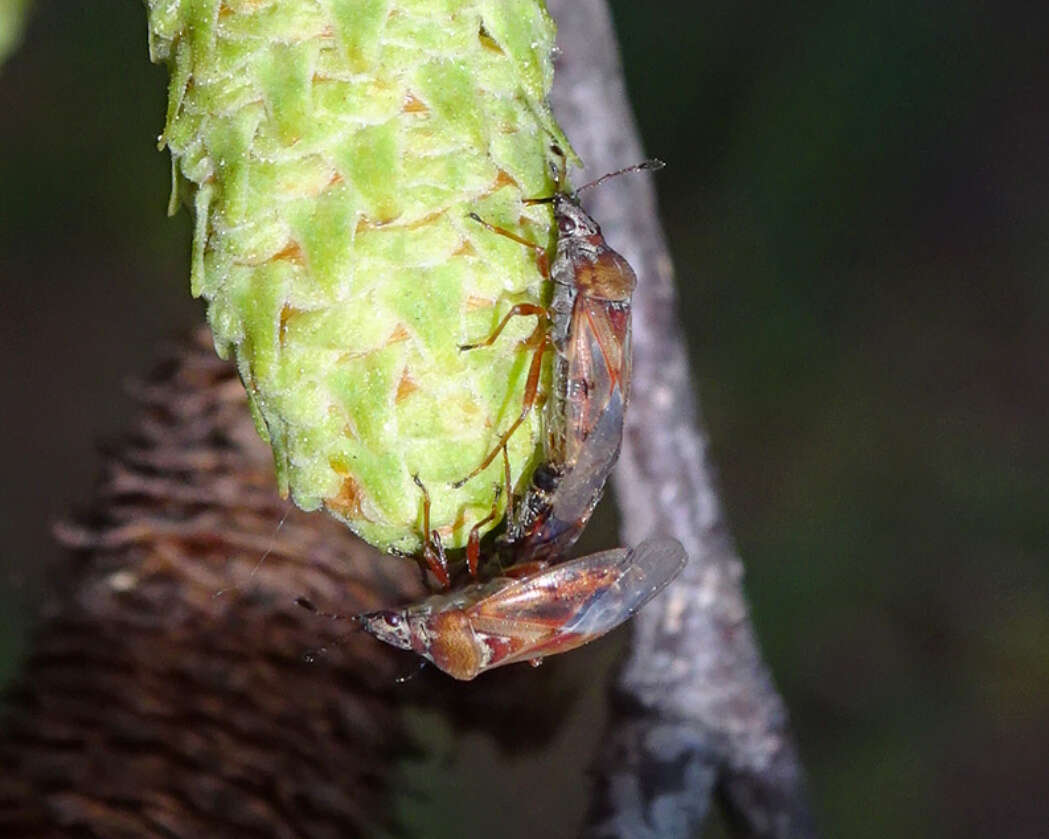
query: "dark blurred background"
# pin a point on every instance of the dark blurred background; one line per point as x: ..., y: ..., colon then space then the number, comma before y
x: 858, y: 206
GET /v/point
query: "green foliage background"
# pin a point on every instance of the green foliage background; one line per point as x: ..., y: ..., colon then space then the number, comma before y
x: 858, y: 201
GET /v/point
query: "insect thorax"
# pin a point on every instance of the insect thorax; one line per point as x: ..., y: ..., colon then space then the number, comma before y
x: 454, y: 647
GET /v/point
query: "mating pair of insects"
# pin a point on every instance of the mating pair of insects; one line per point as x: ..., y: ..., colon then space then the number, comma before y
x: 540, y: 606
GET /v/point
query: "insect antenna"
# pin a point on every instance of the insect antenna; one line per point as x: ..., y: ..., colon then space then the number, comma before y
x: 407, y: 678
x: 308, y: 605
x: 311, y: 656
x: 651, y: 165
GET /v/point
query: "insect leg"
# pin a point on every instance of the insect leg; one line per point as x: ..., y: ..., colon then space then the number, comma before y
x: 508, y: 485
x: 540, y: 340
x: 541, y: 259
x: 473, y: 544
x: 520, y: 309
x: 433, y: 549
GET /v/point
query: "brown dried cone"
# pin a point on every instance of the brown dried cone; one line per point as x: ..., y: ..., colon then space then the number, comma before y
x: 154, y: 705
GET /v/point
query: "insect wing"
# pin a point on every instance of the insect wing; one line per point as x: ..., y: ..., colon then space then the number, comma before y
x: 596, y: 367
x: 581, y: 487
x: 464, y: 598
x: 570, y: 505
x: 542, y: 603
x: 642, y: 574
x: 571, y: 604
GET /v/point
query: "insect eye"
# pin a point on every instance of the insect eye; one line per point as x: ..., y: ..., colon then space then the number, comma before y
x: 565, y: 224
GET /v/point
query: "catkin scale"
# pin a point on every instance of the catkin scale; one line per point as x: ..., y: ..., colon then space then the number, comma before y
x: 331, y: 151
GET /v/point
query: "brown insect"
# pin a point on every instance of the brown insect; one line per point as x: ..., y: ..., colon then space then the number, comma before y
x: 507, y: 620
x: 588, y: 326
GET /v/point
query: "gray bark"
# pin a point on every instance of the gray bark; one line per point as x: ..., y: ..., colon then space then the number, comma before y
x: 697, y: 712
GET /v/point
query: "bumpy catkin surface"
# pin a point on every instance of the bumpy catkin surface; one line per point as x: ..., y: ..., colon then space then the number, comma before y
x: 331, y: 151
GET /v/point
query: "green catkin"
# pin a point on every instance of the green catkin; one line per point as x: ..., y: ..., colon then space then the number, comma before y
x: 331, y: 151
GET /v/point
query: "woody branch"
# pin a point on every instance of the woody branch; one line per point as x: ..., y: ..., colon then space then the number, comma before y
x: 697, y: 714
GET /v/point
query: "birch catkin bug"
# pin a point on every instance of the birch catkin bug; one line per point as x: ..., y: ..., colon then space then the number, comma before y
x: 588, y: 326
x: 507, y: 620
x: 527, y: 612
